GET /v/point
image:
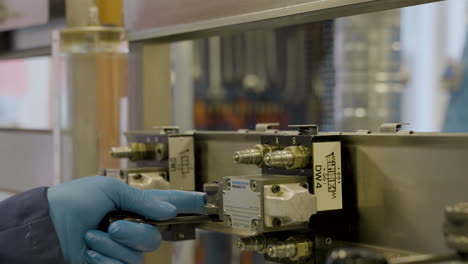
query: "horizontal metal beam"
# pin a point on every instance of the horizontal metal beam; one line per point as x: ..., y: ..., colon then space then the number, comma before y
x: 292, y: 14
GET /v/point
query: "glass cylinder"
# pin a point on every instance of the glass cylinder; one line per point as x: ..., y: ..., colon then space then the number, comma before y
x: 90, y: 76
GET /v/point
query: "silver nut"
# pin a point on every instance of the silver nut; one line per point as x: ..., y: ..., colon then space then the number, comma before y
x: 161, y: 151
x: 304, y: 249
x: 236, y: 157
x: 254, y: 225
x: 253, y: 185
x: 275, y: 188
x: 301, y: 155
x: 271, y: 251
x: 294, y: 157
x: 276, y: 222
x: 240, y: 245
x: 267, y: 159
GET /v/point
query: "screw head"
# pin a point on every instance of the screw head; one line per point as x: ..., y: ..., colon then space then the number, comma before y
x: 254, y: 225
x: 253, y: 185
x: 228, y: 184
x: 276, y: 222
x: 304, y: 185
x: 328, y: 241
x: 137, y: 177
x: 239, y: 244
x: 270, y: 251
x: 275, y: 188
x: 160, y: 151
x: 236, y: 157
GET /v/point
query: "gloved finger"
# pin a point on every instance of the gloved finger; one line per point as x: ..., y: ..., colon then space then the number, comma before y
x: 103, y: 244
x: 137, y: 236
x: 137, y: 201
x: 185, y: 202
x: 93, y: 257
x: 157, y: 205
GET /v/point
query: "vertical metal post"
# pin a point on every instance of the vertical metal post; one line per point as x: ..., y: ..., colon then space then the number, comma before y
x: 157, y: 95
x: 157, y: 110
x: 150, y: 103
x: 183, y: 90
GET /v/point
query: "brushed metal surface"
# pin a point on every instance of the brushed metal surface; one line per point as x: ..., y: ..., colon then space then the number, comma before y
x: 183, y: 19
x: 402, y: 182
x: 214, y: 151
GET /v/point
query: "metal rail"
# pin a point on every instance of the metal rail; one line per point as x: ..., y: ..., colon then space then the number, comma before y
x: 206, y: 24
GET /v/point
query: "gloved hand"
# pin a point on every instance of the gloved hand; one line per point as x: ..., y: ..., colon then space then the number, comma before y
x: 77, y: 207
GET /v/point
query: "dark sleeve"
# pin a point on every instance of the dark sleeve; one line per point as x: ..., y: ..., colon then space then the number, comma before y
x: 27, y: 234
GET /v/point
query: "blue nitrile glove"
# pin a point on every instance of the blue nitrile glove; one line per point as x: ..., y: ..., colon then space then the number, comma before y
x: 77, y: 207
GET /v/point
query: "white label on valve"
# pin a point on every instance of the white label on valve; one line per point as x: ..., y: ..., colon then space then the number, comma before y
x: 242, y: 204
x: 327, y: 175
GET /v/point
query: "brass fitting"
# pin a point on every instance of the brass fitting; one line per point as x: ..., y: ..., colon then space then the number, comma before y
x: 255, y: 243
x: 294, y: 157
x: 134, y: 151
x: 254, y: 155
x: 294, y: 248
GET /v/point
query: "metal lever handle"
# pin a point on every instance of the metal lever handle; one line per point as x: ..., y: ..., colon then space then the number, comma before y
x: 128, y: 216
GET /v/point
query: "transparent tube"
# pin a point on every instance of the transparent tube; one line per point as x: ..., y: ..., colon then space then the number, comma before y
x: 89, y: 99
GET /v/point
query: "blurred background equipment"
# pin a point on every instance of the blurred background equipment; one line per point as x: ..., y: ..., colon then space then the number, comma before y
x: 90, y: 79
x: 370, y: 75
x: 266, y: 76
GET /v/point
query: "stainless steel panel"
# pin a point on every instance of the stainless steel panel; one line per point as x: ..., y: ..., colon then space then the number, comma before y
x: 135, y: 86
x: 179, y: 19
x: 402, y: 182
x: 214, y: 152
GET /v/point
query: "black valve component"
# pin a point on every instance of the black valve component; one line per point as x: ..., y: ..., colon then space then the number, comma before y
x: 180, y: 228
